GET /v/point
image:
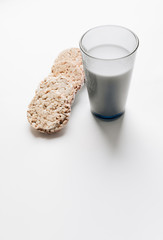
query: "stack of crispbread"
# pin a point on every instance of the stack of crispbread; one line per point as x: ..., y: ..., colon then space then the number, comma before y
x: 50, y: 108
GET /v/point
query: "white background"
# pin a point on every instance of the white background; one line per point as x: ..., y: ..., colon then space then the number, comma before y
x: 94, y: 180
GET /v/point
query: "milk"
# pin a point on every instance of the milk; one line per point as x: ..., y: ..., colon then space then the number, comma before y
x: 108, y: 82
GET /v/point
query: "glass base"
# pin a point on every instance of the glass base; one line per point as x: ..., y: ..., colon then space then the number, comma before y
x: 113, y: 117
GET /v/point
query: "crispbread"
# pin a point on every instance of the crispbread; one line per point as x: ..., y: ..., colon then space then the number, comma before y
x: 71, y: 54
x: 71, y: 71
x: 50, y: 108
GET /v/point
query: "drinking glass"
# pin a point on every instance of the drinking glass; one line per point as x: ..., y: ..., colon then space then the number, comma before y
x: 108, y: 54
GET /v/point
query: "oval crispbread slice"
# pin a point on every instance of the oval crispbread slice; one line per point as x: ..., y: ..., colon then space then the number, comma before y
x: 50, y: 108
x: 71, y: 71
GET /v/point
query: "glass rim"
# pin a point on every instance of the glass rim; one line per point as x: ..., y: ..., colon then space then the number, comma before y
x: 109, y: 59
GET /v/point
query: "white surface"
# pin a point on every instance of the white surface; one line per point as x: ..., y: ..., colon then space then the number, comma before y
x: 94, y: 180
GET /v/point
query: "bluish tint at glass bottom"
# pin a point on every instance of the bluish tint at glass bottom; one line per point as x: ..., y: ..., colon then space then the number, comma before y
x: 113, y: 117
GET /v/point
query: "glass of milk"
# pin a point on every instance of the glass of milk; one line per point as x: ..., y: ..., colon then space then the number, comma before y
x: 108, y: 54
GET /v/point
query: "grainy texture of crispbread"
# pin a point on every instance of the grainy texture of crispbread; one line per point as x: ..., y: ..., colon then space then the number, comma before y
x: 50, y: 108
x: 71, y: 71
x: 60, y: 85
x: 71, y: 54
